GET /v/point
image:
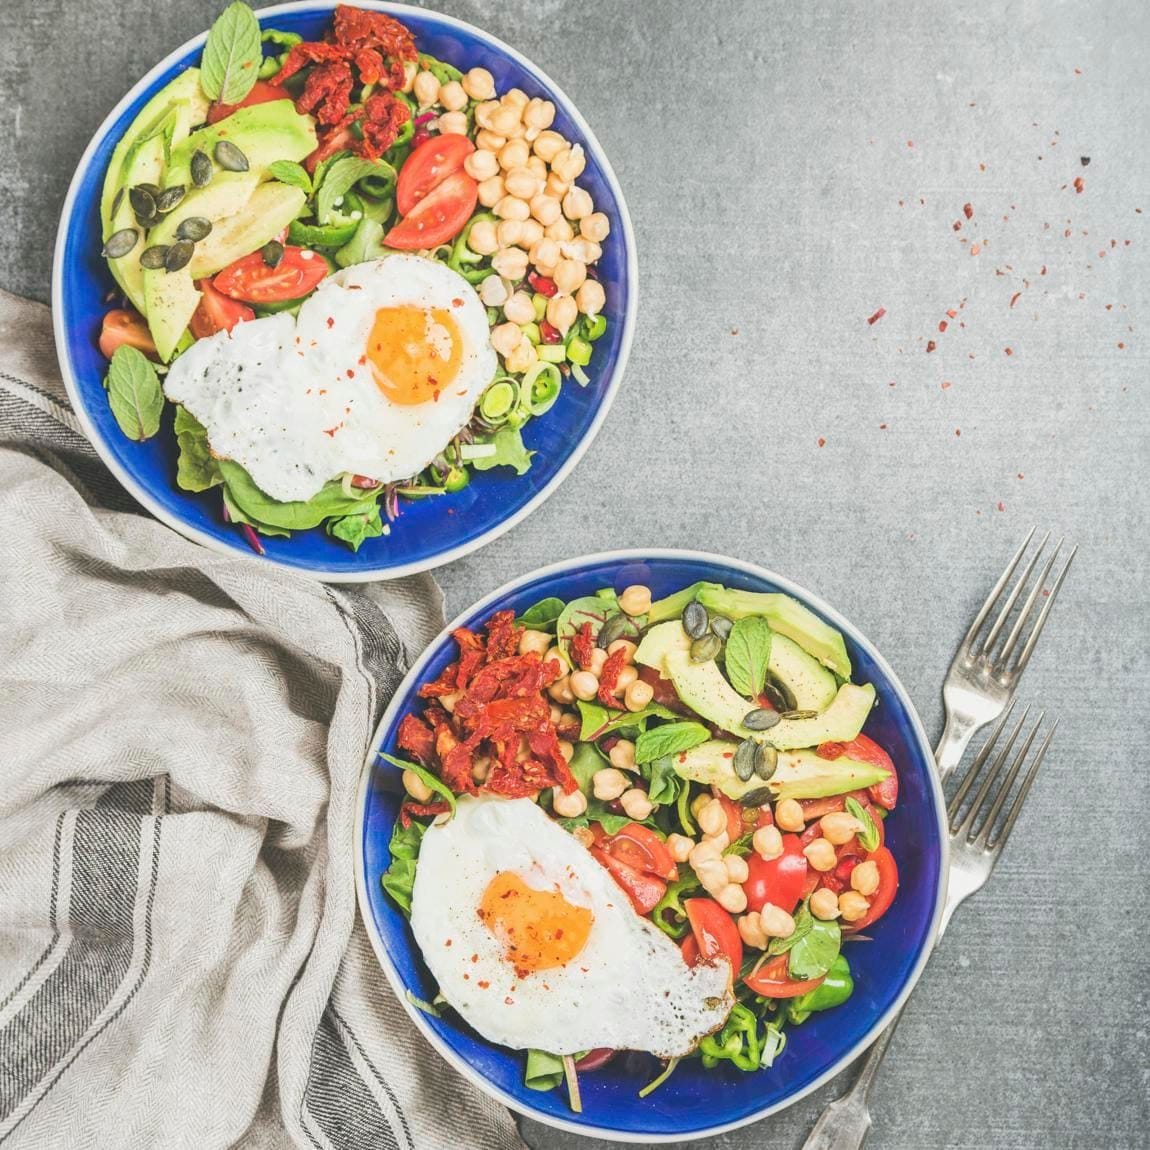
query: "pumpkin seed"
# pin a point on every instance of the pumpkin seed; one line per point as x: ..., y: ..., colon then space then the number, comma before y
x: 194, y: 228
x: 118, y: 199
x: 170, y: 197
x: 766, y: 760
x: 617, y: 627
x: 202, y: 170
x: 799, y: 715
x: 760, y: 719
x: 273, y: 252
x: 695, y: 619
x: 779, y: 695
x: 744, y: 762
x: 705, y: 649
x: 179, y: 254
x: 120, y: 243
x: 155, y: 257
x: 143, y: 203
x: 229, y: 157
x: 757, y: 797
x: 721, y: 626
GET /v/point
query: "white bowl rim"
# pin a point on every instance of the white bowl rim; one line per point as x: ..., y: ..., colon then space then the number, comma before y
x: 372, y: 574
x: 639, y: 555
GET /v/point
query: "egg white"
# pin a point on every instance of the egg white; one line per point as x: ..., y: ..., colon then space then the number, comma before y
x: 628, y: 988
x: 290, y: 401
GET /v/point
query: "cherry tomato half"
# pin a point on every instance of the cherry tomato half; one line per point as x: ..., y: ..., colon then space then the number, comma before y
x: 644, y: 890
x: 251, y: 280
x: 714, y: 932
x: 772, y: 981
x: 124, y: 325
x: 262, y: 93
x: 641, y: 848
x: 868, y: 751
x: 734, y: 813
x: 887, y: 888
x: 216, y: 312
x: 779, y: 881
x: 427, y: 167
x: 440, y: 216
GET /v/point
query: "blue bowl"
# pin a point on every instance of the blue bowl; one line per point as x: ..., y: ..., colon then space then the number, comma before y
x: 429, y: 532
x: 694, y: 1102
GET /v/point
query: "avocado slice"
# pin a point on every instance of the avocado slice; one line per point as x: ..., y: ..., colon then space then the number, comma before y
x: 143, y: 165
x: 674, y: 605
x: 270, y: 209
x: 787, y: 616
x: 839, y: 723
x: 659, y: 642
x: 798, y: 775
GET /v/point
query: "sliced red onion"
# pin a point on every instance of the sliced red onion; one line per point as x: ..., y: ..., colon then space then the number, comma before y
x: 252, y: 538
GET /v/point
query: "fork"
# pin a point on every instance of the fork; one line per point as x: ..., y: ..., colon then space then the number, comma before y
x: 975, y: 848
x: 984, y: 673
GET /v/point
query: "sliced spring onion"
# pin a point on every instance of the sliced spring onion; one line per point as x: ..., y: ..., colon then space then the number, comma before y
x: 533, y: 334
x: 422, y: 1004
x: 572, y: 1084
x: 469, y: 451
x: 595, y: 326
x: 581, y: 377
x: 541, y: 387
x: 579, y: 351
x: 419, y: 490
x: 498, y: 400
x: 539, y: 302
x: 552, y: 352
x: 655, y: 1083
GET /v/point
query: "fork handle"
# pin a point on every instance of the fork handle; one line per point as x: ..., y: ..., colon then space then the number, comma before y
x: 956, y: 735
x: 845, y: 1123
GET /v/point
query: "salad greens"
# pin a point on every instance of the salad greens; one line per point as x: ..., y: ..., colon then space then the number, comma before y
x: 134, y: 393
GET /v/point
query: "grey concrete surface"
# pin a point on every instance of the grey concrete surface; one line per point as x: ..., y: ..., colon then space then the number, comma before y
x: 792, y: 168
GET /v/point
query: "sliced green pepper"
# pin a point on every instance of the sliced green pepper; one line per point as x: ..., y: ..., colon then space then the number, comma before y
x: 463, y: 259
x: 321, y: 235
x: 834, y: 990
x: 737, y: 1042
x: 270, y: 65
x: 669, y: 915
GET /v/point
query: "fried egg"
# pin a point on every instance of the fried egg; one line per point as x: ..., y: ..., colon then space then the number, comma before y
x: 536, y: 946
x: 382, y: 367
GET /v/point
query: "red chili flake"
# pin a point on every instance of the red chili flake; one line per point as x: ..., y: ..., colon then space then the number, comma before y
x: 1014, y: 298
x: 822, y: 442
x: 982, y: 167
x: 1008, y: 350
x: 951, y: 313
x: 957, y: 225
x: 958, y: 432
x: 942, y: 325
x: 1079, y: 185
x: 975, y: 249
x: 882, y: 427
x: 967, y: 210
x: 1121, y: 347
x: 930, y: 346
x: 330, y: 322
x: 945, y: 384
x: 877, y: 316
x: 830, y: 750
x: 1043, y: 271
x: 1001, y: 506
x: 910, y: 143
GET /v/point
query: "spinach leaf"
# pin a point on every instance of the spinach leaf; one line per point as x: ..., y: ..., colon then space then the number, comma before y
x: 236, y: 515
x: 748, y: 650
x: 291, y: 173
x: 868, y: 837
x: 134, y: 393
x: 586, y: 760
x: 343, y: 175
x: 542, y: 616
x: 428, y: 779
x: 399, y: 878
x: 591, y: 609
x: 294, y: 516
x: 669, y: 739
x: 544, y: 1071
x: 354, y: 529
x: 196, y: 470
x: 509, y: 452
x: 663, y: 785
x: 804, y: 920
x: 812, y: 955
x: 232, y: 55
x: 599, y: 721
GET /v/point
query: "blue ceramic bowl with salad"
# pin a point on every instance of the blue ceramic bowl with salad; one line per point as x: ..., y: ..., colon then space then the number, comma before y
x: 651, y: 844
x: 350, y: 287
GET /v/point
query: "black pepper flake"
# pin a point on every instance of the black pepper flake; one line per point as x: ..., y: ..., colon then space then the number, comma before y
x: 1085, y: 161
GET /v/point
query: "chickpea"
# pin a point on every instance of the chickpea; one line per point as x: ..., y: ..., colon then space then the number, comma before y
x: 627, y: 676
x: 539, y: 114
x: 519, y: 308
x: 737, y: 868
x: 622, y: 755
x: 505, y: 120
x: 416, y: 787
x: 452, y: 124
x: 820, y: 854
x: 512, y: 208
x: 577, y: 204
x: 554, y: 711
x: 510, y: 262
x: 546, y: 210
x: 624, y: 645
x: 712, y: 818
x: 598, y: 659
x: 425, y: 88
x: 488, y: 141
x: 447, y: 702
x: 452, y: 96
x: 776, y: 922
x: 697, y: 804
x: 509, y: 233
x: 548, y: 145
x: 635, y: 600
x: 591, y: 299
x: 556, y: 655
x: 569, y: 163
x: 712, y: 873
x: 864, y: 878
x: 505, y: 338
x: 568, y: 806
x: 513, y: 154
x: 491, y: 191
x: 680, y: 847
x: 584, y: 836
x: 544, y: 254
x: 561, y: 691
x: 732, y: 898
x: 559, y: 229
x: 751, y: 930
x: 852, y: 905
x: 537, y: 168
x: 481, y: 166
x: 532, y: 233
x: 768, y: 843
x: 410, y: 71
x: 789, y: 815
x: 522, y: 359
x: 636, y: 804
x: 638, y: 695
x: 483, y: 114
x: 824, y: 904
x: 521, y: 181
x: 479, y: 84
x: 838, y: 827
x: 566, y: 749
x: 585, y: 251
x: 537, y: 641
x: 595, y: 227
x: 569, y: 276
x: 483, y: 238
x: 515, y: 97
x: 584, y: 685
x: 609, y: 783
x: 556, y: 187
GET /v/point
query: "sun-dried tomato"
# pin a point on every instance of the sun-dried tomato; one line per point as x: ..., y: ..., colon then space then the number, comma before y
x: 360, y: 28
x: 327, y: 92
x: 301, y: 55
x: 416, y: 737
x: 446, y: 684
x: 470, y: 660
x: 502, y: 635
x: 384, y: 116
x: 609, y: 677
x: 582, y: 645
x: 409, y: 809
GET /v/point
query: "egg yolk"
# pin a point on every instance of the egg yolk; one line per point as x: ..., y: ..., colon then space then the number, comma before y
x: 415, y: 352
x: 540, y: 928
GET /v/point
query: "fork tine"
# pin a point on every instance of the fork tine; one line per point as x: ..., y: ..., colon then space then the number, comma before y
x: 996, y: 844
x: 1012, y: 639
x: 957, y: 826
x: 995, y: 591
x: 1008, y: 606
x: 1040, y: 622
x: 1008, y: 782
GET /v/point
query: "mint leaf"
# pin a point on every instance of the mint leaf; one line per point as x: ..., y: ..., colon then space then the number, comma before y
x: 134, y: 393
x: 196, y: 470
x: 291, y: 173
x: 598, y: 721
x: 354, y: 529
x: 669, y: 739
x: 804, y: 920
x: 812, y: 955
x: 542, y: 616
x: 232, y: 55
x: 509, y: 452
x: 343, y: 175
x: 663, y: 785
x: 868, y: 837
x: 748, y: 650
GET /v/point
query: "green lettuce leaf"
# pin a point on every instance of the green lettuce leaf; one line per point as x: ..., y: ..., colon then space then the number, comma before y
x: 509, y: 452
